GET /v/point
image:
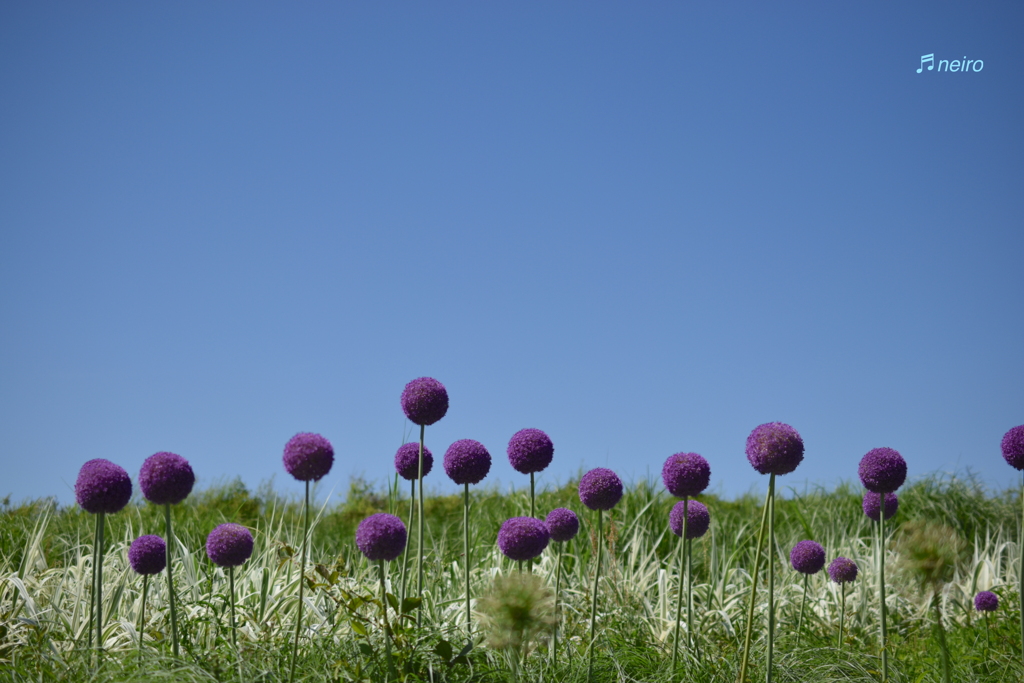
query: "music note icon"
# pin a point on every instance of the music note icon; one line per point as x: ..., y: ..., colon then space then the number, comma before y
x: 930, y: 59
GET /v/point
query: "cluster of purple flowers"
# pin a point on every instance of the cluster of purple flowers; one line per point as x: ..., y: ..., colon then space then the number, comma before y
x: 229, y: 545
x: 102, y: 486
x: 407, y: 461
x: 807, y: 557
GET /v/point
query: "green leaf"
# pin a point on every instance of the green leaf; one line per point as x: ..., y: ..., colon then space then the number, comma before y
x: 393, y: 601
x: 358, y: 628
x: 443, y: 650
x: 409, y: 604
x: 366, y: 650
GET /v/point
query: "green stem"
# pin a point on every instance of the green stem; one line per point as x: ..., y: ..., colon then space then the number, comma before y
x: 387, y: 628
x: 419, y: 523
x: 682, y: 572
x: 691, y: 638
x: 92, y: 587
x: 529, y: 564
x: 170, y: 580
x: 771, y: 577
x: 142, y: 616
x: 405, y: 555
x: 988, y: 636
x: 99, y: 586
x: 753, y: 592
x: 465, y: 519
x: 1020, y: 575
x: 800, y: 621
x: 883, y: 610
x: 558, y: 584
x: 942, y: 638
x: 842, y: 614
x: 302, y: 583
x: 231, y: 582
x: 593, y: 602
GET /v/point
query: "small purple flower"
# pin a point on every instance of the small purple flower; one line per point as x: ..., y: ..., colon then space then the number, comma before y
x: 424, y: 400
x: 882, y: 470
x: 872, y: 504
x: 148, y: 555
x: 308, y: 457
x: 523, y: 538
x: 774, y: 448
x: 686, y: 474
x: 600, y: 489
x: 530, y: 450
x: 986, y: 601
x: 102, y: 486
x: 563, y: 524
x: 166, y: 479
x: 381, y: 537
x: 697, y: 516
x: 807, y: 557
x: 467, y: 462
x: 229, y: 545
x: 1013, y: 447
x: 842, y: 570
x: 407, y: 461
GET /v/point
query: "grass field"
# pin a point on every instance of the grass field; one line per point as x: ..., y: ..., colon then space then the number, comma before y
x: 46, y: 558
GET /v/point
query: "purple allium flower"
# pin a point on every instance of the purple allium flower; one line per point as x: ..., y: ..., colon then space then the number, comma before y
x: 523, y: 538
x: 1013, y: 447
x: 530, y: 450
x: 882, y: 470
x: 467, y: 462
x: 872, y: 504
x: 166, y: 478
x: 686, y: 474
x: 600, y: 489
x: 148, y: 554
x: 774, y: 448
x: 229, y: 545
x: 698, y: 519
x: 424, y: 400
x: 407, y: 461
x: 986, y: 601
x: 842, y: 570
x: 807, y: 557
x: 308, y: 457
x: 102, y: 486
x: 563, y: 524
x: 381, y: 537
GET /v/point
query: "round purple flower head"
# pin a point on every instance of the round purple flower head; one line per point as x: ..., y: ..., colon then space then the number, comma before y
x: 102, y: 486
x: 229, y: 545
x: 697, y: 517
x: 842, y: 570
x: 530, y: 450
x: 308, y: 457
x: 686, y: 474
x: 381, y: 537
x: 424, y: 400
x: 872, y: 504
x: 148, y: 555
x: 986, y: 601
x: 1013, y: 447
x: 600, y: 489
x: 882, y: 470
x: 166, y: 479
x: 774, y: 448
x: 523, y: 538
x: 407, y: 461
x: 807, y: 557
x: 467, y: 462
x: 563, y: 524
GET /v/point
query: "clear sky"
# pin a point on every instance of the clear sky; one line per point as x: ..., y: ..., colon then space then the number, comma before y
x: 641, y: 227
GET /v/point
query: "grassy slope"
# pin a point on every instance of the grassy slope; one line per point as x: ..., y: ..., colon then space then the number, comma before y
x: 45, y: 555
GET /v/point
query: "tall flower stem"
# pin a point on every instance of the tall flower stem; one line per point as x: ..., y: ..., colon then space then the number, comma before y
x: 231, y: 582
x: 419, y: 527
x: 800, y: 621
x: 405, y: 556
x: 682, y: 573
x: 1020, y: 575
x: 558, y: 585
x: 302, y: 583
x: 593, y: 602
x: 771, y: 576
x: 142, y: 615
x: 387, y: 628
x: 842, y: 614
x: 753, y: 585
x: 881, y: 588
x: 92, y: 587
x: 529, y: 564
x: 99, y: 584
x: 465, y: 525
x: 691, y: 639
x: 170, y: 580
x: 942, y: 638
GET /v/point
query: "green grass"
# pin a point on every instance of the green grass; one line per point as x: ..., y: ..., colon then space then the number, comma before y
x: 46, y: 555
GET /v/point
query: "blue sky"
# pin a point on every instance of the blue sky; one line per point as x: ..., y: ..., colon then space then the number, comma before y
x: 641, y: 228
